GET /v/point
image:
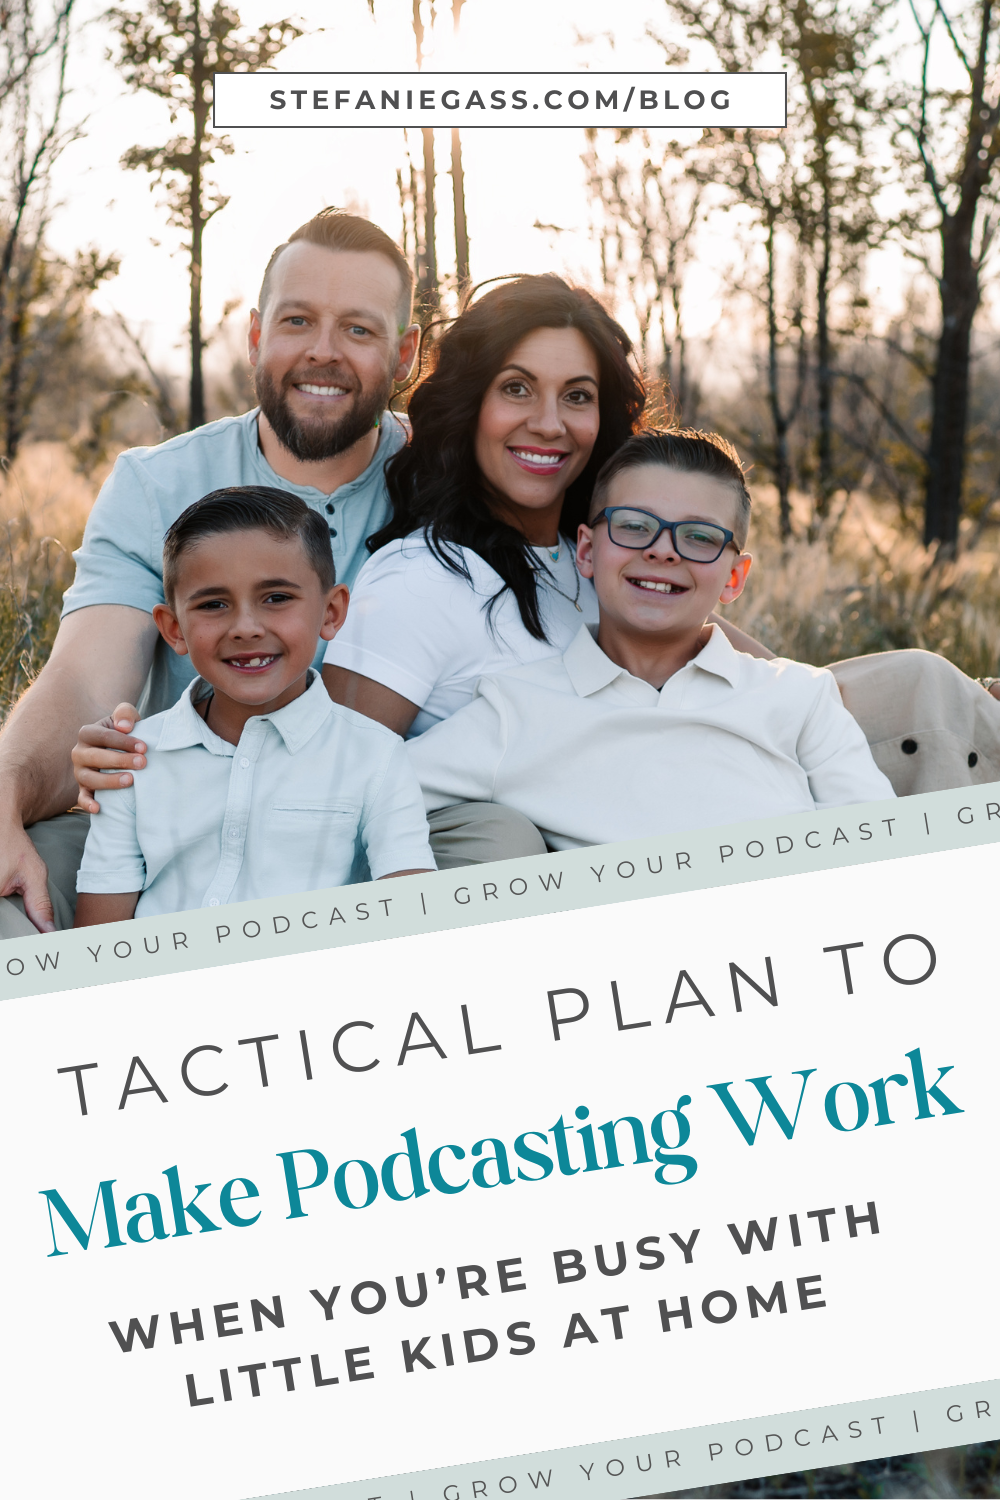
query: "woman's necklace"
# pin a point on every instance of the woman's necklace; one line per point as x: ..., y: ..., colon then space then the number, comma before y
x: 575, y: 601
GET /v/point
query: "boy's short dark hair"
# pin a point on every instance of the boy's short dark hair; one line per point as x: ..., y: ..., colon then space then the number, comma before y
x: 333, y: 229
x: 249, y: 507
x: 690, y: 452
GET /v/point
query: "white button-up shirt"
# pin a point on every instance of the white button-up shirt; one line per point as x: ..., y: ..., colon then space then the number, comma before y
x: 592, y: 754
x: 314, y: 795
x: 429, y: 633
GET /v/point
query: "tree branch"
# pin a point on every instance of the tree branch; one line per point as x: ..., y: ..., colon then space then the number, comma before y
x: 940, y: 10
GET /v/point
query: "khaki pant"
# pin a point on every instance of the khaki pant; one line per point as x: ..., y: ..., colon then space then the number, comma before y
x: 60, y: 842
x: 474, y: 833
x: 928, y: 725
x: 470, y: 833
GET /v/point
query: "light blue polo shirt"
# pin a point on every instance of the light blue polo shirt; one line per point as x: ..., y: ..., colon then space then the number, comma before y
x: 313, y: 796
x: 120, y: 560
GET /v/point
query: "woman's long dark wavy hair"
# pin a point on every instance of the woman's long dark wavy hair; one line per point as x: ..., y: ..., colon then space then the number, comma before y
x: 435, y: 483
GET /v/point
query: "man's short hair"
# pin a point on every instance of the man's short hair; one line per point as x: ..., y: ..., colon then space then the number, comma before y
x: 690, y: 452
x: 334, y: 229
x: 249, y: 507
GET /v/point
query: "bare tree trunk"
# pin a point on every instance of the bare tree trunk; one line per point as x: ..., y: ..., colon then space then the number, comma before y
x: 946, y: 451
x: 429, y: 288
x: 19, y: 263
x: 681, y: 388
x: 22, y: 290
x: 961, y: 266
x: 196, y: 399
x: 404, y: 199
x: 461, y: 226
x: 31, y: 174
x: 462, y: 273
x: 782, y: 467
x: 24, y: 185
x: 13, y: 415
x: 824, y: 371
x: 427, y: 278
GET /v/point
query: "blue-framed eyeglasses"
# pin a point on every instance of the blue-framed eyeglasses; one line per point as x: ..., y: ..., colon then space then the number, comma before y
x: 695, y: 541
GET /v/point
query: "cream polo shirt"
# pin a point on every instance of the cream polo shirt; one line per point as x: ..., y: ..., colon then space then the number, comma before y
x: 310, y: 796
x: 592, y: 754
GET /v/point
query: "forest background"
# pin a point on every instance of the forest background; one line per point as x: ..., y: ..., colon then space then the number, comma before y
x: 824, y: 295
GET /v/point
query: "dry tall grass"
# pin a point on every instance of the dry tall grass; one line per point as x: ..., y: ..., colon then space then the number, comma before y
x: 864, y: 587
x: 44, y: 503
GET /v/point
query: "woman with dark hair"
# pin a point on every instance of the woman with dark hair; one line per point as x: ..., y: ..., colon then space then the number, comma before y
x: 532, y: 390
x: 445, y: 479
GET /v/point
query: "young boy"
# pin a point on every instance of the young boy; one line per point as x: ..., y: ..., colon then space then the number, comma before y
x: 256, y: 783
x: 658, y: 724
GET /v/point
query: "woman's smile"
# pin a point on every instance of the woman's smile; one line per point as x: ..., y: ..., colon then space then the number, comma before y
x: 538, y: 460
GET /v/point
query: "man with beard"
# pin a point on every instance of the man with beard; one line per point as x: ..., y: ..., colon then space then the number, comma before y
x: 331, y: 336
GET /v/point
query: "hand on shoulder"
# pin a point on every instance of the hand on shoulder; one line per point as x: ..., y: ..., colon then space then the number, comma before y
x: 104, y: 749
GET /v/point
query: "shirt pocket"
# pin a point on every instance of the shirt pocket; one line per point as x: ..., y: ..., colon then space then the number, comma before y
x: 303, y: 815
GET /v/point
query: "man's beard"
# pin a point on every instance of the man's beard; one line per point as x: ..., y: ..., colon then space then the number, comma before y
x: 311, y: 442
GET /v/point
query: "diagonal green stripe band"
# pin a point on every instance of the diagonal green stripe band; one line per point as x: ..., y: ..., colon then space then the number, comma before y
x: 700, y: 859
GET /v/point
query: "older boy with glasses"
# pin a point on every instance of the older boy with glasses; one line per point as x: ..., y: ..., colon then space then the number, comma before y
x: 656, y: 723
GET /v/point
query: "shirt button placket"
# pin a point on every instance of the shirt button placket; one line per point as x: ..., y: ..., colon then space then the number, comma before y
x: 242, y: 808
x: 237, y: 816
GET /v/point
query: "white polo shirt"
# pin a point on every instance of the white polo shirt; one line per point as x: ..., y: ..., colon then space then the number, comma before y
x: 311, y: 795
x: 426, y: 632
x: 592, y: 754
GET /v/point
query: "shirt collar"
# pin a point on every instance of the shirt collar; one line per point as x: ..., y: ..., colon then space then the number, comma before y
x: 719, y: 656
x: 589, y: 669
x: 296, y: 723
x: 299, y: 720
